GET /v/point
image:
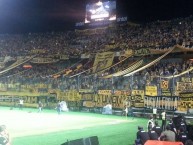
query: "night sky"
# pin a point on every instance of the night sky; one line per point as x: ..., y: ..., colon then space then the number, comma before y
x: 20, y: 16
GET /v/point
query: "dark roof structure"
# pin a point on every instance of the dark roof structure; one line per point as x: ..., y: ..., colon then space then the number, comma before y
x: 20, y: 16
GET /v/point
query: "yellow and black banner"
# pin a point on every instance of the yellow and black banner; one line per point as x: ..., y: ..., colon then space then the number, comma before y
x: 102, y: 61
x: 184, y: 86
x: 44, y: 60
x: 136, y: 101
x: 149, y: 64
x: 87, y: 97
x: 130, y: 68
x: 178, y: 48
x: 166, y: 92
x: 151, y: 90
x: 185, y: 101
x: 37, y: 51
x: 137, y: 98
x: 73, y: 95
x: 186, y: 79
x: 63, y: 57
x: 122, y: 92
x: 138, y: 92
x: 88, y: 104
x: 126, y: 53
x: 85, y: 91
x: 104, y: 92
x: 141, y: 52
x: 164, y: 84
x: 116, y: 101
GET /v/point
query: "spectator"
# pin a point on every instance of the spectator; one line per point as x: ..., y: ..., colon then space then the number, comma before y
x: 150, y: 123
x: 157, y: 128
x: 142, y: 136
x: 59, y: 108
x: 172, y: 125
x: 20, y: 103
x: 163, y: 116
x: 40, y: 106
x: 168, y: 135
x: 149, y: 127
x: 189, y: 142
x: 182, y: 136
x: 154, y: 113
x: 153, y: 135
x: 125, y: 111
x: 182, y: 125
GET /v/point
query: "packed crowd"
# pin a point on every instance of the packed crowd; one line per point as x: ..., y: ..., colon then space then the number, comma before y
x: 150, y: 76
x: 158, y: 35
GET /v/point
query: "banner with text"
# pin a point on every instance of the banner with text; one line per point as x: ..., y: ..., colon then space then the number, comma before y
x: 151, y: 90
x: 185, y: 101
x: 116, y: 101
x: 102, y: 61
x: 161, y: 102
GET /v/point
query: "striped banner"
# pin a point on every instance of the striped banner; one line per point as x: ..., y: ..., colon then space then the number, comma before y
x: 131, y: 68
x: 17, y: 63
x: 150, y: 64
x: 105, y: 68
x: 178, y: 75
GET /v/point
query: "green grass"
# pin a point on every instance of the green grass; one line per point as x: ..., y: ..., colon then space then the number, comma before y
x: 110, y: 129
x: 123, y: 134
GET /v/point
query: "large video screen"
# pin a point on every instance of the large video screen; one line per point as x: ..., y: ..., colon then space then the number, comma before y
x: 101, y: 11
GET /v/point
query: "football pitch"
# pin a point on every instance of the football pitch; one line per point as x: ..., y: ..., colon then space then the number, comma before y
x: 28, y: 127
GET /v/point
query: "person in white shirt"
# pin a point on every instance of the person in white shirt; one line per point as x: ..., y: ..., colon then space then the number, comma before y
x: 163, y: 115
x: 150, y: 122
x: 20, y: 104
x: 154, y: 113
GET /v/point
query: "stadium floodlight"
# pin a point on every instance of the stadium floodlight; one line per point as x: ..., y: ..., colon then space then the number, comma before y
x: 99, y: 3
x: 107, y: 6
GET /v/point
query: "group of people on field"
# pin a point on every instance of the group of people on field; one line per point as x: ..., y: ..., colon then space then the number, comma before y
x: 168, y: 131
x: 60, y: 106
